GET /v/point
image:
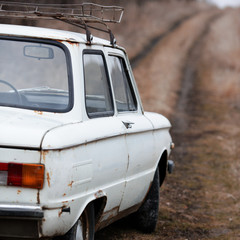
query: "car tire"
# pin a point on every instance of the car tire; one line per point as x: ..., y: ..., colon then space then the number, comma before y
x: 84, y: 228
x: 147, y: 216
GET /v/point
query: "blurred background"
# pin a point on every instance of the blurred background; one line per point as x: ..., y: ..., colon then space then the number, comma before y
x: 185, y: 58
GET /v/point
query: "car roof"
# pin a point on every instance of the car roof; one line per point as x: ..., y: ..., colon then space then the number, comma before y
x: 47, y: 33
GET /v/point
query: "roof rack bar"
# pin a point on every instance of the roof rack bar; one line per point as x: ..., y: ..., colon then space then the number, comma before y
x: 84, y: 25
x: 80, y: 15
x: 111, y: 14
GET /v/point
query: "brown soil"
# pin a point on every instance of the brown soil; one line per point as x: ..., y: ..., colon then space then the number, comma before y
x: 192, y: 76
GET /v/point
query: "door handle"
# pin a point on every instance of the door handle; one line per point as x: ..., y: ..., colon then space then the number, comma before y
x: 127, y: 124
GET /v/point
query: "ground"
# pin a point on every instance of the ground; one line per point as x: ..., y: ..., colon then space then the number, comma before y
x: 191, y: 73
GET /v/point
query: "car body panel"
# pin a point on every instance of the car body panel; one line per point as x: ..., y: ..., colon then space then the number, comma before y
x: 90, y: 163
x: 31, y: 126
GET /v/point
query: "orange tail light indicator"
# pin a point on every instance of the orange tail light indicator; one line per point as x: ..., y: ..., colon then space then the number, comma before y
x: 21, y: 174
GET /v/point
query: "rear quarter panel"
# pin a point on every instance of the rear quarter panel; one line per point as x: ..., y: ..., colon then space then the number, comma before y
x: 86, y: 161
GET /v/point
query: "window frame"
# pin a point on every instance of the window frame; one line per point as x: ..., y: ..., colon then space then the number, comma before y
x: 125, y: 68
x: 99, y: 114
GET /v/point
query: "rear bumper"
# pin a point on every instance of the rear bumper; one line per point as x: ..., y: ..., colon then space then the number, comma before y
x: 20, y: 221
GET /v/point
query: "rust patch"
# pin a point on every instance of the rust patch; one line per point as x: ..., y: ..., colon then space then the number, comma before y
x: 71, y: 183
x: 19, y: 191
x: 48, y: 179
x: 61, y: 210
x: 38, y: 197
x: 60, y: 213
x: 71, y: 41
x: 98, y: 194
x: 44, y: 154
x: 64, y: 194
x: 107, y: 217
x: 111, y: 217
x: 74, y: 43
x: 38, y: 112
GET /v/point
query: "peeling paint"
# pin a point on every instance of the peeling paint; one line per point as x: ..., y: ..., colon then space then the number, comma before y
x: 62, y: 209
x: 44, y: 154
x: 71, y: 183
x: 38, y: 112
x: 73, y: 43
x: 60, y: 213
x: 48, y: 179
x: 38, y: 197
x: 110, y: 214
x: 99, y: 194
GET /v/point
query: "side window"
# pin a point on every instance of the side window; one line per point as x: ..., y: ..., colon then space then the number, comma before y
x: 97, y: 88
x: 123, y: 90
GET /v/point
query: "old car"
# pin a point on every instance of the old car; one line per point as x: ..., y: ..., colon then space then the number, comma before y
x: 77, y: 150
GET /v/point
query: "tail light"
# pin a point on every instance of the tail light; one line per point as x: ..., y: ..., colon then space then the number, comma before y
x: 22, y: 175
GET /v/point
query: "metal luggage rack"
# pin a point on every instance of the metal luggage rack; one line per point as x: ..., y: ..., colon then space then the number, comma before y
x: 85, y: 15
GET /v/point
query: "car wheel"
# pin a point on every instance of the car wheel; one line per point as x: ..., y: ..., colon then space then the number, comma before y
x: 147, y: 215
x: 84, y: 228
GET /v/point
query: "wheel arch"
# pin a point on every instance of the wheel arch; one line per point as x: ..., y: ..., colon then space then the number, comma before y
x: 99, y: 205
x: 162, y: 166
x: 98, y: 202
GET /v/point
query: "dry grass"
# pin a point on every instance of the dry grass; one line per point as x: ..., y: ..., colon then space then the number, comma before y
x: 211, y: 142
x: 159, y: 75
x: 222, y: 77
x: 142, y: 22
x: 223, y: 73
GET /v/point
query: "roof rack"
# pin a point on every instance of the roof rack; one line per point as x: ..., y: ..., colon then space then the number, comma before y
x: 85, y: 15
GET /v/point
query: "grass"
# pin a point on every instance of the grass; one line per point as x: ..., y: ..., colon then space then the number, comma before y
x: 205, y: 185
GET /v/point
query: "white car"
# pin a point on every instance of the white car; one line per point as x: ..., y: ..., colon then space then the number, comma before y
x: 77, y: 151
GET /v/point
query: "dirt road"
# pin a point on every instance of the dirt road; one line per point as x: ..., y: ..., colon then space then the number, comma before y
x: 192, y: 75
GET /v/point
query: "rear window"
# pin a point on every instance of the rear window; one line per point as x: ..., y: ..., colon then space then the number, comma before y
x: 35, y: 75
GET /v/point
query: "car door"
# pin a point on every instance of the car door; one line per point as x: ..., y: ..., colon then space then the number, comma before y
x: 139, y: 132
x: 109, y: 151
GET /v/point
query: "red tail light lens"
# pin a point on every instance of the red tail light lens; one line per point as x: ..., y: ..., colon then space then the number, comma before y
x: 14, y: 174
x: 23, y: 175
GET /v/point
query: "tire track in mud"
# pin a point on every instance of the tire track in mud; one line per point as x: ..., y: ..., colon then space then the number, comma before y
x: 186, y: 186
x: 189, y: 76
x: 155, y: 40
